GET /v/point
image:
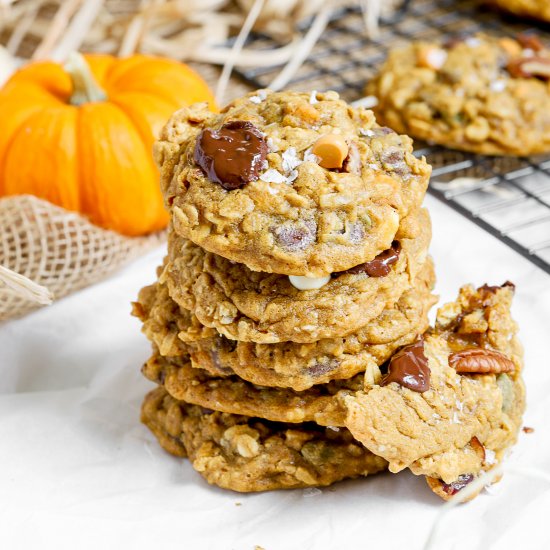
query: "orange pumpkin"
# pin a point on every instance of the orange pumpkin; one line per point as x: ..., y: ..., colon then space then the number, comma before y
x: 83, y: 140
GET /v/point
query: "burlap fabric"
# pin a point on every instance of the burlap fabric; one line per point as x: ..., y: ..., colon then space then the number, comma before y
x: 47, y: 252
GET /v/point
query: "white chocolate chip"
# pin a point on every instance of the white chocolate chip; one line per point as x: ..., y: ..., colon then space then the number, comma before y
x: 366, y: 102
x: 308, y: 283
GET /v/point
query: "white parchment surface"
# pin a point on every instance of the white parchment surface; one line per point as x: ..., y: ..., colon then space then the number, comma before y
x: 78, y: 470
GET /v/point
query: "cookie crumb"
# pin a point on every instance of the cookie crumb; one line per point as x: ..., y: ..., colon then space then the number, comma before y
x: 238, y: 503
x: 527, y: 430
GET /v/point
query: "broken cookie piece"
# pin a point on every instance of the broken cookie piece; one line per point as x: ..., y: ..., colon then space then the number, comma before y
x: 463, y: 423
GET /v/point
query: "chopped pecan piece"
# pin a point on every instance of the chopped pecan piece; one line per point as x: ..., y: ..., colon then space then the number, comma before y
x: 530, y: 41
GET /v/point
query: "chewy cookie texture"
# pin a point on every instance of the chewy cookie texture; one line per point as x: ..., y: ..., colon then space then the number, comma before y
x: 479, y: 93
x: 289, y: 321
x: 538, y: 9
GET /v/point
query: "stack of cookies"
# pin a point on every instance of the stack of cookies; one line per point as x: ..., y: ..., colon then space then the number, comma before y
x: 289, y: 319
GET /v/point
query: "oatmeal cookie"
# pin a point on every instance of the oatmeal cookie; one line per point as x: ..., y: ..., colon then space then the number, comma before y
x: 248, y: 454
x: 321, y: 404
x: 266, y: 308
x: 289, y: 183
x: 538, y: 9
x: 480, y: 93
x: 456, y: 397
x: 177, y: 333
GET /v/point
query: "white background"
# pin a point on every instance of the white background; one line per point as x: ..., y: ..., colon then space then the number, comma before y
x: 78, y: 470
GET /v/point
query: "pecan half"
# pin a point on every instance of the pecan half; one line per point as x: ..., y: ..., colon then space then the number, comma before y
x: 530, y: 41
x: 478, y: 448
x: 480, y: 361
x: 529, y: 67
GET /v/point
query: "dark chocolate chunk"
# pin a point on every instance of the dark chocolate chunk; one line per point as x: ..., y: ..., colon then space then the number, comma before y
x: 409, y: 368
x: 233, y: 155
x: 380, y: 266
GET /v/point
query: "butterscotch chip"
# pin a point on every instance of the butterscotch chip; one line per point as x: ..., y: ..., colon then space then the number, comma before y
x: 483, y: 94
x: 282, y: 210
x: 249, y: 454
x: 332, y: 150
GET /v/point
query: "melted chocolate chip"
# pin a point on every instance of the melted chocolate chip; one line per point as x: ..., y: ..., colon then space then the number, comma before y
x: 494, y: 288
x: 295, y: 237
x: 409, y: 368
x: 233, y: 155
x: 455, y: 486
x: 380, y: 266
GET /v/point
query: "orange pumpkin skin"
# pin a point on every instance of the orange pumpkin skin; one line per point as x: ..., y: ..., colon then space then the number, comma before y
x: 95, y: 158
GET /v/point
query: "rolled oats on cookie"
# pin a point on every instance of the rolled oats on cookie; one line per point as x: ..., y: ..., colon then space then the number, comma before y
x: 177, y: 333
x: 253, y: 306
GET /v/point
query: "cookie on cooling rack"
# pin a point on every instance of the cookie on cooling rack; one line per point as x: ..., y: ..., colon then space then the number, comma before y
x: 479, y: 93
x: 538, y: 9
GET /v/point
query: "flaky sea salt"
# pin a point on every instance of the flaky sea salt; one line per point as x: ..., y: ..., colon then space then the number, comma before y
x: 290, y: 159
x: 271, y: 145
x: 310, y: 157
x: 366, y: 132
x: 313, y: 97
x: 273, y: 176
x: 259, y: 97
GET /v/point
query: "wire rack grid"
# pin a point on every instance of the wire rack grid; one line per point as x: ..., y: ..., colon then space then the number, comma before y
x: 508, y: 197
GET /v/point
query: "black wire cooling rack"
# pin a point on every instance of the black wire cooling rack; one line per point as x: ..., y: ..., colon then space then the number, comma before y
x: 508, y: 197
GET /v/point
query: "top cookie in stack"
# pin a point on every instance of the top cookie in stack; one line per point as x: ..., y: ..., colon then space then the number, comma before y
x: 289, y: 183
x: 297, y: 265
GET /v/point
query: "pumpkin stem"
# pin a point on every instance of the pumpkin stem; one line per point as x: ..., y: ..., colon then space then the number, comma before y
x: 85, y: 87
